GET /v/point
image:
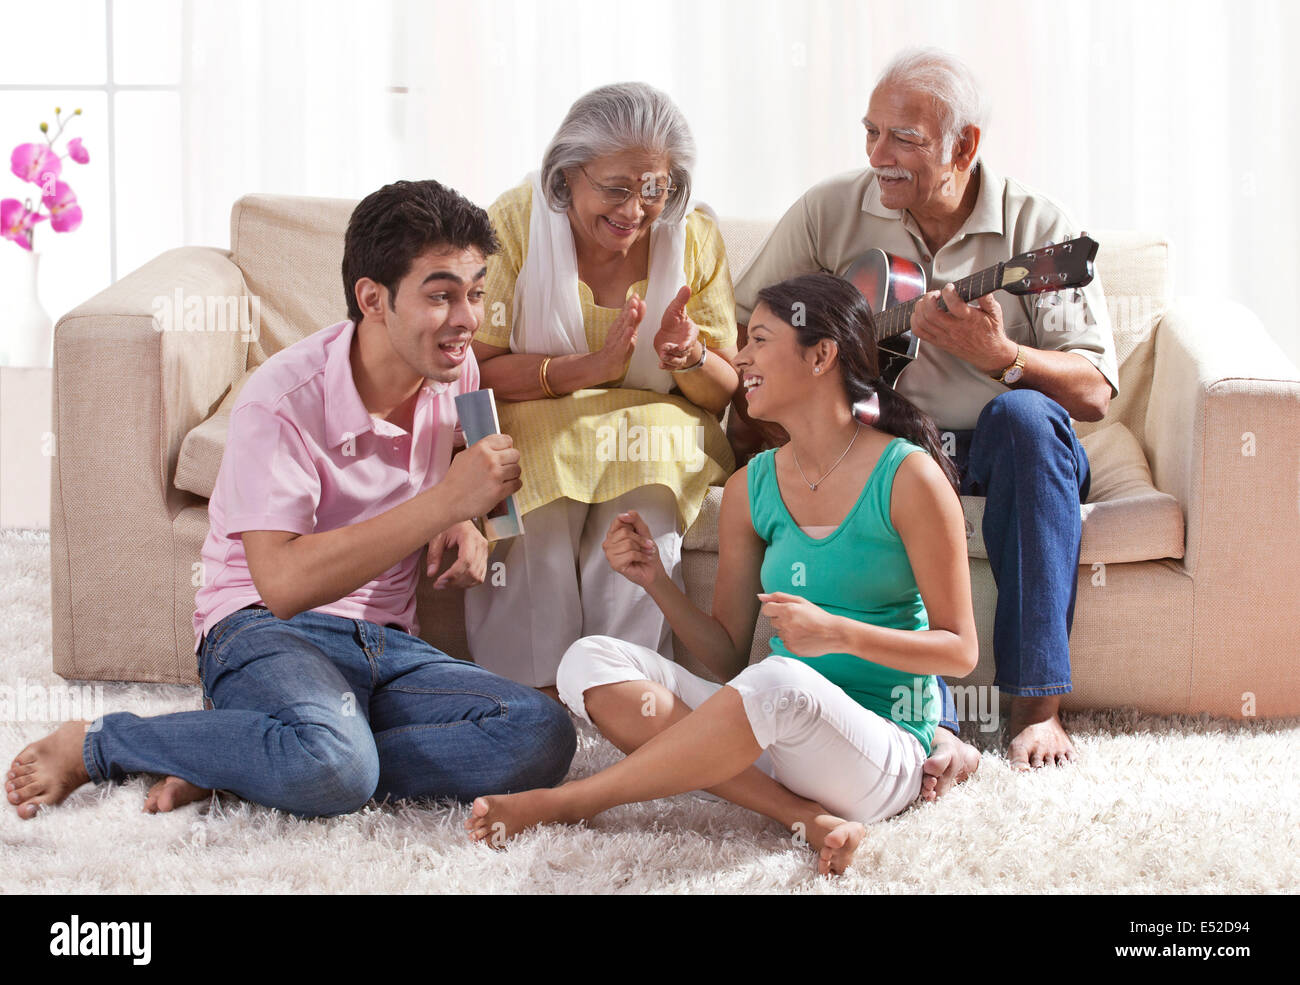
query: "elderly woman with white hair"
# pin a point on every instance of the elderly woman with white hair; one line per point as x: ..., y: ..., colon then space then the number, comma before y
x: 608, y: 337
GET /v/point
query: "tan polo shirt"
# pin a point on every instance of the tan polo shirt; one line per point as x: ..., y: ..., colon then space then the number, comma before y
x: 841, y: 218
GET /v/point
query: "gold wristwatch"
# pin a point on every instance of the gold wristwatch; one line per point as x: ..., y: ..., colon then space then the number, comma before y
x: 1013, y: 372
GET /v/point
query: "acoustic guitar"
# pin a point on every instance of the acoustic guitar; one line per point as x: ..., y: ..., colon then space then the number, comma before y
x: 892, y: 285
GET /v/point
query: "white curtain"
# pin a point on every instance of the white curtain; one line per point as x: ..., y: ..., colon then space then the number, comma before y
x: 288, y: 97
x: 1140, y: 114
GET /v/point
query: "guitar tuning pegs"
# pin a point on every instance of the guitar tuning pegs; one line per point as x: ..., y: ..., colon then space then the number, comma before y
x: 1049, y: 300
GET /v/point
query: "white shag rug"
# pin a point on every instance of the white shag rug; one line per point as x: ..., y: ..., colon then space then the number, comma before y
x: 1155, y: 805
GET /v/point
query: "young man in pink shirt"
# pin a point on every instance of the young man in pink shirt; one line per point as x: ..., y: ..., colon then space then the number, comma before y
x: 338, y: 470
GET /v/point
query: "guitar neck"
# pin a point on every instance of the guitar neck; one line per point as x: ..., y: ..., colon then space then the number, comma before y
x: 895, y: 321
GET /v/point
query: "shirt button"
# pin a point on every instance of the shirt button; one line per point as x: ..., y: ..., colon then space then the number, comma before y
x: 927, y: 258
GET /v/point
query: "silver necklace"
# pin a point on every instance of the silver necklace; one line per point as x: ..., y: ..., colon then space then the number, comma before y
x: 813, y: 485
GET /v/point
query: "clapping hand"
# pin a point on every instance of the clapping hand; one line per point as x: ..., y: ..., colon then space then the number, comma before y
x: 675, y: 341
x: 620, y: 341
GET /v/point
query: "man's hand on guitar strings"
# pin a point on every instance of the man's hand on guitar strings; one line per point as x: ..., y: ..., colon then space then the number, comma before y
x: 971, y: 332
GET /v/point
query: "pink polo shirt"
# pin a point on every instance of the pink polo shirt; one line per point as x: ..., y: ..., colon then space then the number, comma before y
x: 304, y: 455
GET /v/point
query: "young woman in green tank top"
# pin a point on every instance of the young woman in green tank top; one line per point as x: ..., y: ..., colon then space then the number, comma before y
x: 852, y: 546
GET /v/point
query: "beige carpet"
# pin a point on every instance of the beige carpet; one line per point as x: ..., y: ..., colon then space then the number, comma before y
x: 1155, y: 805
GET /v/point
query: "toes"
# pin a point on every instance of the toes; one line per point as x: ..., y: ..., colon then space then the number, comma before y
x: 937, y: 764
x: 824, y: 863
x: 480, y: 807
x: 18, y: 783
x: 28, y: 809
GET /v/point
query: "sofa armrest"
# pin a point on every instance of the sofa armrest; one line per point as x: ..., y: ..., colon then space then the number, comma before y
x: 125, y: 394
x: 129, y: 391
x: 1223, y: 430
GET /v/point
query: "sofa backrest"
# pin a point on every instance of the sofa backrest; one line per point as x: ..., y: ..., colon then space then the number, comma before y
x: 290, y: 250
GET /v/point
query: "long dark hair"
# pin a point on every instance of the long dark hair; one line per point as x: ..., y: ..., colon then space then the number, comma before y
x: 823, y: 306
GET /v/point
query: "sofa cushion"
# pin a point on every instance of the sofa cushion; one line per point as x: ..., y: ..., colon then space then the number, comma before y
x: 1125, y: 519
x: 201, y: 451
x: 290, y: 250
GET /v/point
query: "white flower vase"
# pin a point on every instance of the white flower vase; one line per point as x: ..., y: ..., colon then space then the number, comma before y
x: 27, y: 332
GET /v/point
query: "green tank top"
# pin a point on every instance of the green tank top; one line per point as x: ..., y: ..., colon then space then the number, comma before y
x: 860, y: 571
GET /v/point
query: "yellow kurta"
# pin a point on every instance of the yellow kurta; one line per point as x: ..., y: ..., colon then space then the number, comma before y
x: 593, y: 445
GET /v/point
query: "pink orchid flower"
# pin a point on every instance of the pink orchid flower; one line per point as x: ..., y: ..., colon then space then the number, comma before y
x: 65, y: 213
x: 35, y: 163
x: 16, y: 222
x: 77, y: 152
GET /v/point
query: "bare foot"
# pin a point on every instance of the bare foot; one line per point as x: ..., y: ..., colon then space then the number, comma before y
x: 499, y: 818
x: 1038, y: 739
x: 951, y: 761
x: 170, y: 793
x: 48, y: 770
x: 839, y: 839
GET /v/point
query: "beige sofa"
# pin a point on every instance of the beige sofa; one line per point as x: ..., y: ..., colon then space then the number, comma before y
x: 1187, y: 588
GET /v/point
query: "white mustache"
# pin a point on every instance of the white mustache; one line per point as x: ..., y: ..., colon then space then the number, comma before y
x: 895, y: 172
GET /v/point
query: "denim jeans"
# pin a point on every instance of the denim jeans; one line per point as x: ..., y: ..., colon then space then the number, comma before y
x: 1023, y: 456
x: 318, y: 714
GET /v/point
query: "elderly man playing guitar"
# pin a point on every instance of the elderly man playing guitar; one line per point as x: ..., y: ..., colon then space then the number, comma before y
x: 1001, y: 378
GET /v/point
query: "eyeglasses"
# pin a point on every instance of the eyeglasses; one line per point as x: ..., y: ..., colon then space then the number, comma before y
x: 650, y: 195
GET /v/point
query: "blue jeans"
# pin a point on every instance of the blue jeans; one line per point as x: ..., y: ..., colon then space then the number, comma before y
x: 318, y: 714
x: 1023, y: 456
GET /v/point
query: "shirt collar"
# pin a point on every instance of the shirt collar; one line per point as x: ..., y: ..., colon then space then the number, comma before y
x: 986, y: 217
x: 345, y: 415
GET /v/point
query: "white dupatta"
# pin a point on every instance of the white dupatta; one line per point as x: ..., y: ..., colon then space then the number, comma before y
x: 547, y: 312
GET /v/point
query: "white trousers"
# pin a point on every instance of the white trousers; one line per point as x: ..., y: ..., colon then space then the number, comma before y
x: 818, y: 742
x: 553, y: 585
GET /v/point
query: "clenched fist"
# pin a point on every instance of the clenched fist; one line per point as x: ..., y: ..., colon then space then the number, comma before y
x: 482, y: 476
x: 806, y: 629
x: 631, y: 550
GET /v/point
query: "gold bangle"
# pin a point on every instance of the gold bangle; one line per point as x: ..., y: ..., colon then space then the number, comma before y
x: 541, y: 377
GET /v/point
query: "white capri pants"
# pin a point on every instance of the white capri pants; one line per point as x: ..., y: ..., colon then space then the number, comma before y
x: 558, y: 587
x: 818, y: 742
